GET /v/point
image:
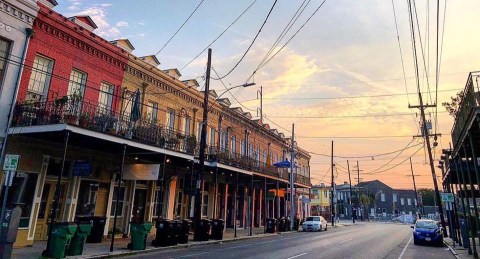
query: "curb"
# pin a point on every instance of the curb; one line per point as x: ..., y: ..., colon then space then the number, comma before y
x: 454, y: 253
x: 120, y: 253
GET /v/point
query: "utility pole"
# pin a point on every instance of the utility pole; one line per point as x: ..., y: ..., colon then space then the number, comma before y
x: 424, y: 121
x: 415, y: 188
x: 332, y: 193
x: 199, y: 187
x: 350, y: 181
x: 292, y: 165
x: 358, y: 191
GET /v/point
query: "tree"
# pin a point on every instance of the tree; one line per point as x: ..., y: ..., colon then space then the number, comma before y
x: 428, y: 196
x: 365, y: 200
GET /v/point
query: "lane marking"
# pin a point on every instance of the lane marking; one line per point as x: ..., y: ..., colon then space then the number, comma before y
x: 297, y: 256
x: 405, y: 248
x: 346, y: 240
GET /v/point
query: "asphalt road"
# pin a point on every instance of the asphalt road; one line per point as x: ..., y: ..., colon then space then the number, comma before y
x: 363, y: 240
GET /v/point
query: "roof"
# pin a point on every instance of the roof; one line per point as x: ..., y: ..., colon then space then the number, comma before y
x: 123, y: 43
x: 152, y: 59
x: 84, y: 19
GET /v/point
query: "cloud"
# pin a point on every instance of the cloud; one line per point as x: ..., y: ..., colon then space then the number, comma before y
x: 122, y: 24
x: 141, y: 23
x: 141, y: 34
x: 98, y: 14
x: 74, y: 5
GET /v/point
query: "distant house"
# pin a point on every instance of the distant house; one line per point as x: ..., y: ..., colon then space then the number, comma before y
x: 320, y: 200
x: 345, y: 200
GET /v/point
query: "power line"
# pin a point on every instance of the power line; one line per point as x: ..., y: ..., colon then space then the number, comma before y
x: 220, y: 35
x: 251, y: 44
x: 355, y: 137
x: 368, y: 156
x: 180, y: 27
x: 403, y: 161
x: 341, y: 116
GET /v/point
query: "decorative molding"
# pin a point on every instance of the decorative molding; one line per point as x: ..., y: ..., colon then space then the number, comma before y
x: 16, y: 12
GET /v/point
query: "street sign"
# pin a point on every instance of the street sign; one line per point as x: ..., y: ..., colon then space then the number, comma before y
x: 81, y: 168
x: 11, y: 162
x: 447, y: 197
x: 305, y: 200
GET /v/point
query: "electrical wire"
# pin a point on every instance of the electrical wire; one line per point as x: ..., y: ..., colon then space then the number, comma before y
x: 220, y: 35
x: 403, y: 161
x: 180, y: 28
x: 251, y: 44
x: 368, y: 156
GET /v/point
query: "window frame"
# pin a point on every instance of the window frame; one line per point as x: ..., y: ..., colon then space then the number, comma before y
x: 37, y: 72
x: 6, y: 57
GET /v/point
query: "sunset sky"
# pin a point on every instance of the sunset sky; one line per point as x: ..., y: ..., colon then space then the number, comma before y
x: 339, y: 79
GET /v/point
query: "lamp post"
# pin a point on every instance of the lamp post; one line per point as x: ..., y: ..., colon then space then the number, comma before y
x: 199, y: 185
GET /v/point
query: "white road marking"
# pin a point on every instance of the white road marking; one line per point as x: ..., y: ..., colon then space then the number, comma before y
x: 297, y: 256
x: 346, y: 240
x: 405, y: 248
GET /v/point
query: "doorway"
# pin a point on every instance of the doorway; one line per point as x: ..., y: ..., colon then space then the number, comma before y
x: 46, y: 207
x: 139, y: 202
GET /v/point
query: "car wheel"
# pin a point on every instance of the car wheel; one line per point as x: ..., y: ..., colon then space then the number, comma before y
x: 320, y: 228
x: 326, y: 227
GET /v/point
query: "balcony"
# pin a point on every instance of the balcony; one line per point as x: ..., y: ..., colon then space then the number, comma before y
x: 92, y: 117
x: 468, y: 104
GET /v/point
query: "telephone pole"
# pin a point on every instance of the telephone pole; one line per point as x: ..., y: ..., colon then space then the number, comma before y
x: 292, y: 166
x: 422, y: 108
x: 351, y: 196
x: 332, y: 205
x: 415, y: 188
x: 358, y: 192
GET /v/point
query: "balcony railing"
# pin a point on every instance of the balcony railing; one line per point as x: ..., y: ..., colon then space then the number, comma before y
x: 143, y: 130
x: 469, y: 100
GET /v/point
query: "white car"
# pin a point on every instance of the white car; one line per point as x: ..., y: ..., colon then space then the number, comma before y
x: 314, y: 223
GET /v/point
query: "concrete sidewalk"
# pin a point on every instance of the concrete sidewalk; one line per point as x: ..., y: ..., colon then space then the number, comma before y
x: 102, y: 250
x: 460, y: 251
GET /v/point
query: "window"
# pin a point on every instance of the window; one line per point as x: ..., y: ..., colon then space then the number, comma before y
x: 170, y: 120
x: 325, y: 194
x: 402, y: 201
x: 205, y: 205
x: 40, y: 78
x: 212, y: 136
x: 152, y: 111
x: 409, y: 201
x: 4, y: 52
x: 415, y: 201
x: 87, y: 198
x: 120, y: 199
x: 158, y: 203
x: 127, y: 105
x: 21, y: 194
x: 234, y: 144
x: 199, y: 133
x: 394, y: 197
x: 265, y: 156
x: 178, y: 207
x: 242, y: 148
x: 188, y: 120
x: 382, y: 196
x: 250, y: 149
x: 105, y: 98
x: 76, y: 85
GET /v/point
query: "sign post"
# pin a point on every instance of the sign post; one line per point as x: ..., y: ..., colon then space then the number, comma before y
x: 9, y: 167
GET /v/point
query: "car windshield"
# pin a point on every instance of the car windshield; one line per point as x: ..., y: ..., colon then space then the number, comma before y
x: 312, y: 219
x: 427, y: 224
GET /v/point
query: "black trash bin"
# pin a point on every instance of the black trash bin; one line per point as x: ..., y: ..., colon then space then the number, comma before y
x: 218, y: 226
x: 204, y: 231
x: 176, y: 226
x: 163, y: 233
x: 98, y: 227
x: 271, y: 225
x: 296, y: 224
x: 184, y: 231
x: 281, y: 225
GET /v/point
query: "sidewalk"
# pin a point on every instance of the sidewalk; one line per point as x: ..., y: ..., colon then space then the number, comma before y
x: 102, y: 250
x: 460, y: 251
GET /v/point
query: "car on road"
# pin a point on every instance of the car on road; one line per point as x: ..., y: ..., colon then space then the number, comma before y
x: 314, y: 223
x: 427, y: 231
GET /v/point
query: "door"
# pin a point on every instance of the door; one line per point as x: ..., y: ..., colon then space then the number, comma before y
x: 46, y: 207
x: 139, y: 202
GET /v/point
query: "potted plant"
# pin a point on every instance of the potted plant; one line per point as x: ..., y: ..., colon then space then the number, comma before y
x: 191, y: 144
x: 84, y: 119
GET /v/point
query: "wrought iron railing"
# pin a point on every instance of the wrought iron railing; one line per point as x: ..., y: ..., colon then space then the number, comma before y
x: 144, y: 130
x: 467, y: 104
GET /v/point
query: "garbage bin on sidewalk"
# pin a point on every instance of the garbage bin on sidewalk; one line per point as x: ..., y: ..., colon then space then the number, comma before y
x: 218, y: 226
x: 62, y: 234
x: 204, y: 231
x: 98, y: 227
x: 185, y: 230
x: 79, y: 238
x: 163, y: 233
x: 139, y: 233
x: 281, y: 225
x: 271, y: 225
x: 296, y: 224
x: 176, y: 231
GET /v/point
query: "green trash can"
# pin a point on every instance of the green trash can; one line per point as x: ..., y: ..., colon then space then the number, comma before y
x: 139, y: 233
x: 78, y: 240
x: 62, y: 234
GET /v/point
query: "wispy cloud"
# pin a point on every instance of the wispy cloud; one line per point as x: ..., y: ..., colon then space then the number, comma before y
x: 122, y: 24
x: 98, y: 13
x: 74, y: 5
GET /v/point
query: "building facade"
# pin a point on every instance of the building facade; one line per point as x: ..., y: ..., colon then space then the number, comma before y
x: 320, y: 201
x: 102, y: 132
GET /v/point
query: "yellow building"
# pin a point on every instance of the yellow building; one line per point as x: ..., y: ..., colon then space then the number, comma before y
x: 320, y: 202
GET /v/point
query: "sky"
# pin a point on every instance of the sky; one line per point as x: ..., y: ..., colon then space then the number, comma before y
x: 337, y: 76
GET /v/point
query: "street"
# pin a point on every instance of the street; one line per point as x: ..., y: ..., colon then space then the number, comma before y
x: 363, y: 240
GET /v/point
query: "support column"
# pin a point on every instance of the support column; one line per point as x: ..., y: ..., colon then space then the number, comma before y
x: 474, y: 200
x: 467, y: 211
x: 71, y: 199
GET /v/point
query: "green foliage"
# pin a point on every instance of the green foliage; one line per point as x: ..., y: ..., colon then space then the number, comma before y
x: 428, y: 196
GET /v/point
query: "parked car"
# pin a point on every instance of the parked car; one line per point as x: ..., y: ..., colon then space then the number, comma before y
x: 427, y: 231
x: 315, y: 223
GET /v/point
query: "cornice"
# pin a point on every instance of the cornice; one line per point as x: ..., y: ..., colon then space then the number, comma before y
x: 23, y: 10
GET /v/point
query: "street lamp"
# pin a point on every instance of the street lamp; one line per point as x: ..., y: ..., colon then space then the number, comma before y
x: 203, y: 136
